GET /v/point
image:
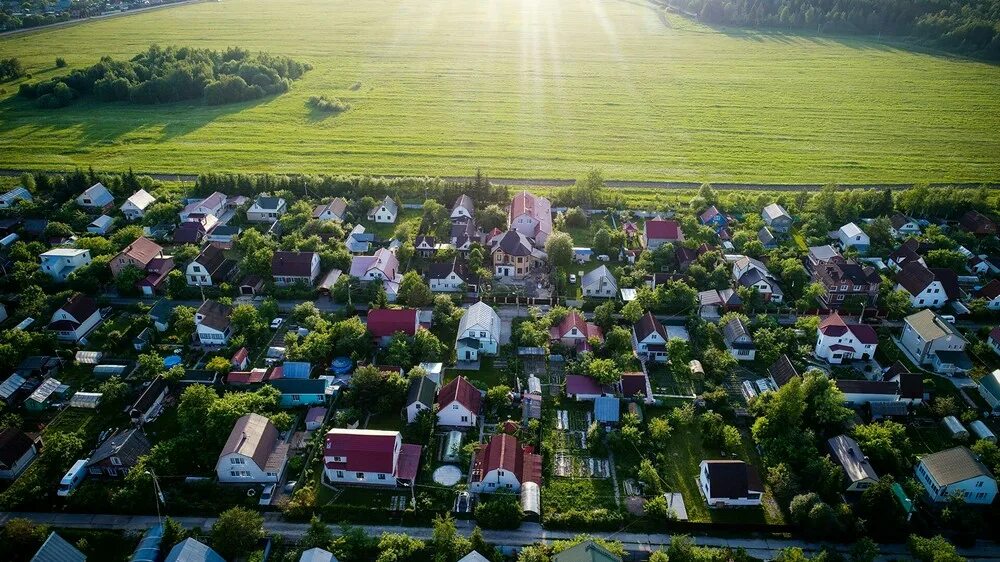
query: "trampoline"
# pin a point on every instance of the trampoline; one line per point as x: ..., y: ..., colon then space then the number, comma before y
x: 447, y: 475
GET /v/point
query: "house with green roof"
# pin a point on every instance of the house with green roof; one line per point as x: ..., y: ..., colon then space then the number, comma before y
x: 989, y: 388
x: 587, y: 551
x: 420, y: 396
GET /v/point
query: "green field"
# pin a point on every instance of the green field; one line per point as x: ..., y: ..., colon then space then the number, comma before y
x: 529, y: 88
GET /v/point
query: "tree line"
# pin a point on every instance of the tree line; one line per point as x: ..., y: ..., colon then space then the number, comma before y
x: 171, y: 74
x: 971, y: 27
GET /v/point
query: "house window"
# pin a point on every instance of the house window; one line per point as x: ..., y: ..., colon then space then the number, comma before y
x: 381, y: 476
x: 237, y: 460
x: 116, y: 461
x: 340, y: 474
x: 465, y: 418
x: 339, y: 459
x: 360, y: 475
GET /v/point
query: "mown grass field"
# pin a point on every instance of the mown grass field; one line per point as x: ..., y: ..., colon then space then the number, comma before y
x: 528, y: 88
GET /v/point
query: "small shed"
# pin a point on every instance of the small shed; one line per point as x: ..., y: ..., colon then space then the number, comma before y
x: 101, y: 225
x: 696, y: 369
x: 314, y: 417
x: 534, y: 385
x: 531, y: 500
x: 452, y: 449
x: 85, y: 400
x: 88, y: 357
x: 607, y: 409
x: 982, y: 431
x: 955, y: 428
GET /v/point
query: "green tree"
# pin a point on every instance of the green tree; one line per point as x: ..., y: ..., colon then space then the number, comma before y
x: 447, y: 544
x: 400, y: 547
x: 935, y: 549
x: 376, y: 392
x: 498, y: 398
x: 318, y: 535
x: 604, y: 315
x: 650, y: 478
x: 633, y: 311
x: 559, y: 247
x: 414, y: 291
x: 218, y: 364
x: 886, y: 444
x: 501, y: 510
x: 237, y: 531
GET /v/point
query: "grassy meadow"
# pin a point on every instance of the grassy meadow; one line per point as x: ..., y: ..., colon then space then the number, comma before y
x: 522, y: 88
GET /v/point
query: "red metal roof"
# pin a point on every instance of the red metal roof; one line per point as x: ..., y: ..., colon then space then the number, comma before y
x: 363, y: 450
x: 660, y: 229
x: 504, y: 452
x: 409, y: 462
x: 386, y: 322
x: 460, y: 390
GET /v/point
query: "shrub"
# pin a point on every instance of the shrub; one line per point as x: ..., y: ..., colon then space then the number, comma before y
x: 499, y: 511
x: 327, y: 105
x: 60, y: 62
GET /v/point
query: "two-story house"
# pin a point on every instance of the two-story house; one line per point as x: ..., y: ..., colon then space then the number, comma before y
x: 907, y: 252
x: 380, y: 267
x: 931, y: 340
x: 478, y: 333
x: 211, y: 267
x: 658, y: 231
x: 75, y: 319
x: 749, y: 272
x: 738, y: 340
x: 139, y: 253
x: 119, y: 453
x: 846, y: 280
x: 928, y: 287
x: 289, y: 268
x: 575, y: 332
x: 96, y: 197
x: 451, y: 277
x: 384, y: 212
x: 358, y: 240
x: 956, y: 473
x: 464, y: 234
x: 58, y: 263
x: 368, y: 457
x: 214, y: 205
x: 335, y: 210
x: 419, y: 397
x: 649, y: 338
x: 503, y: 464
x: 837, y: 341
x: 212, y: 323
x: 253, y: 454
x: 134, y: 208
x: 531, y: 215
x: 729, y: 483
x: 459, y: 404
x: 903, y: 225
x: 383, y: 323
x: 851, y: 236
x: 266, y: 209
x: 599, y: 283
x: 514, y: 256
x: 463, y: 210
x: 777, y: 218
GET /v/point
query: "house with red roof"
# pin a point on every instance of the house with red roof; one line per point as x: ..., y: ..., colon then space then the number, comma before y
x: 504, y: 464
x: 837, y: 341
x: 367, y: 457
x: 994, y: 340
x: 575, y: 332
x: 241, y: 359
x: 383, y: 323
x: 531, y: 215
x: 657, y: 232
x: 459, y: 404
x: 636, y: 384
x: 582, y: 387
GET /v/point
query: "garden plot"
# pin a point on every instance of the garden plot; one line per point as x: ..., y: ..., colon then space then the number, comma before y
x: 569, y: 466
x: 571, y: 458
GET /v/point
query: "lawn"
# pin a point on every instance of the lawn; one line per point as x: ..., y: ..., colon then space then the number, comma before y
x: 521, y: 89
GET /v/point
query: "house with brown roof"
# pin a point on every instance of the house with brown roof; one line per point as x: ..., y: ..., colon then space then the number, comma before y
x: 139, y: 253
x: 17, y: 451
x: 956, y: 473
x: 928, y: 287
x: 514, y: 256
x: 212, y: 322
x: 907, y: 252
x: 903, y: 225
x: 119, y: 453
x: 368, y: 457
x: 75, y: 319
x: 459, y: 403
x: 991, y: 294
x: 978, y: 223
x: 289, y: 268
x: 253, y: 454
x: 729, y: 483
x: 531, y: 215
x: 649, y: 338
x: 335, y: 210
x: 574, y: 331
x: 837, y: 341
x: 846, y: 280
x: 214, y: 205
x: 503, y: 464
x: 635, y: 384
x: 782, y: 371
x: 211, y: 267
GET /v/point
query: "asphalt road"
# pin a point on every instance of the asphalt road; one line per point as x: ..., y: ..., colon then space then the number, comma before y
x: 528, y: 533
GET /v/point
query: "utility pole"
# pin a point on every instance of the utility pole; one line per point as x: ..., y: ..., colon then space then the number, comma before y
x: 157, y: 496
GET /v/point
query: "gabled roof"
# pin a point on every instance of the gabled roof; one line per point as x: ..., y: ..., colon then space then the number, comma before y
x: 899, y: 220
x: 977, y: 223
x: 535, y: 206
x: 914, y: 277
x: 80, y: 306
x: 317, y: 555
x: 213, y: 259
x: 774, y: 211
x: 482, y: 315
x: 440, y: 270
x: 14, y: 443
x: 338, y: 206
x: 846, y: 271
x: 384, y: 322
x: 465, y: 202
x: 954, y: 465
x: 660, y: 229
x: 190, y: 550
x: 848, y: 454
x: 834, y: 326
x: 733, y: 330
x: 141, y: 199
x: 215, y: 315
x: 503, y: 452
x: 633, y: 383
x: 268, y: 203
x: 460, y: 390
x: 513, y: 243
x: 990, y: 291
x: 421, y: 391
x: 254, y: 436
x: 57, y: 549
x: 782, y: 370
x: 595, y: 275
x: 587, y: 551
x: 991, y: 383
x: 908, y: 251
x: 98, y: 193
x: 648, y: 324
x: 732, y: 479
x: 582, y: 384
x: 128, y: 445
x: 389, y: 203
x: 143, y: 250
x: 949, y: 281
x: 149, y: 396
x: 851, y: 230
x: 292, y: 264
x: 190, y: 232
x: 709, y: 214
x: 363, y: 450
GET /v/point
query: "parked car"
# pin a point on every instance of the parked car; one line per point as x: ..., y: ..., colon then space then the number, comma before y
x: 276, y: 323
x: 572, y: 278
x: 603, y: 257
x: 266, y: 494
x: 72, y: 479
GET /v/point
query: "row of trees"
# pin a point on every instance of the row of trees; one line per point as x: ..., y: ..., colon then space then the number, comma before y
x: 164, y: 75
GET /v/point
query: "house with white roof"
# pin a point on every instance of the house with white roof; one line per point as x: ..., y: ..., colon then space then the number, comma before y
x: 214, y: 205
x: 253, y: 454
x: 384, y: 212
x: 266, y: 209
x: 58, y: 263
x: 848, y: 454
x: 96, y: 197
x: 837, y: 341
x: 101, y: 225
x: 478, y: 332
x: 463, y: 209
x: 777, y: 218
x: 851, y: 236
x: 956, y: 473
x: 599, y: 283
x: 134, y: 208
x: 9, y: 199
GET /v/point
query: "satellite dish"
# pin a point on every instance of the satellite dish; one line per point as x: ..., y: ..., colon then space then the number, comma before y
x: 251, y: 492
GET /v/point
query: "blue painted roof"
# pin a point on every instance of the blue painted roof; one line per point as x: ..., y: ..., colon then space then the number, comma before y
x: 606, y: 409
x: 296, y: 369
x: 190, y: 550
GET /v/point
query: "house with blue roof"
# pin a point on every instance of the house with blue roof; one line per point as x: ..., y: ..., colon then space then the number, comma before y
x: 296, y: 369
x: 607, y: 409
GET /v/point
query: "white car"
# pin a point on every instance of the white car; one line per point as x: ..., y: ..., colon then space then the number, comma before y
x: 266, y: 494
x: 603, y: 257
x: 276, y: 323
x: 572, y: 279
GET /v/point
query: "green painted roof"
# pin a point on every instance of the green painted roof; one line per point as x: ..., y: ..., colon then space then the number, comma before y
x: 587, y: 551
x: 901, y: 497
x: 991, y: 382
